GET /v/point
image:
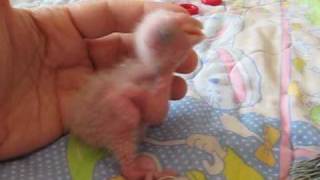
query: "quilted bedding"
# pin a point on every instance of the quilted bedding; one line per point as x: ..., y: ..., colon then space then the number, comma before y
x: 252, y: 109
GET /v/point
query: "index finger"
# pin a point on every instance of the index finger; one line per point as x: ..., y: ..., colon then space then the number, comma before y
x: 95, y: 19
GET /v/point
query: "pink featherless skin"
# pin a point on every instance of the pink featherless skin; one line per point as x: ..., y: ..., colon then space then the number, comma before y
x: 117, y: 105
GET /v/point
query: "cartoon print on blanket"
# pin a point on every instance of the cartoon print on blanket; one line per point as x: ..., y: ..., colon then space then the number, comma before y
x: 226, y: 160
x: 248, y: 136
x: 305, y: 95
x: 192, y: 174
x: 305, y: 140
x: 229, y: 79
x: 82, y: 159
x: 313, y: 15
x: 189, y: 175
x: 204, y: 143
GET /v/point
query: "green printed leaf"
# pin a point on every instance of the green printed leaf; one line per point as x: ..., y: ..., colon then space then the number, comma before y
x: 82, y: 159
x: 195, y: 175
x: 314, y: 12
x: 299, y: 64
x: 315, y: 114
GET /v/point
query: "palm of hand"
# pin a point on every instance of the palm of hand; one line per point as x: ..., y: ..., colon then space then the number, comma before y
x: 52, y: 54
x: 42, y: 78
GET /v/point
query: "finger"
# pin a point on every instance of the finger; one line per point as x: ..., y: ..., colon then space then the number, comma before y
x: 149, y: 176
x: 166, y: 174
x: 179, y: 88
x: 190, y: 63
x: 3, y: 133
x: 109, y: 50
x: 95, y: 19
x: 4, y: 3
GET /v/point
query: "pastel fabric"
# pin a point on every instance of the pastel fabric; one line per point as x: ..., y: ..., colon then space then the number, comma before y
x: 253, y: 105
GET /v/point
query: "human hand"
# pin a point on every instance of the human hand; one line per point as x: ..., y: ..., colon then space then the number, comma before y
x: 47, y: 54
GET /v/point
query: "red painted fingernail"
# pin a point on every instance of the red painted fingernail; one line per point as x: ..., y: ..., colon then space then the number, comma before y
x: 212, y: 2
x: 192, y: 9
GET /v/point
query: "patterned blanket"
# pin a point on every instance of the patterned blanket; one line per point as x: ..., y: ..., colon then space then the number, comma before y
x: 252, y: 110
